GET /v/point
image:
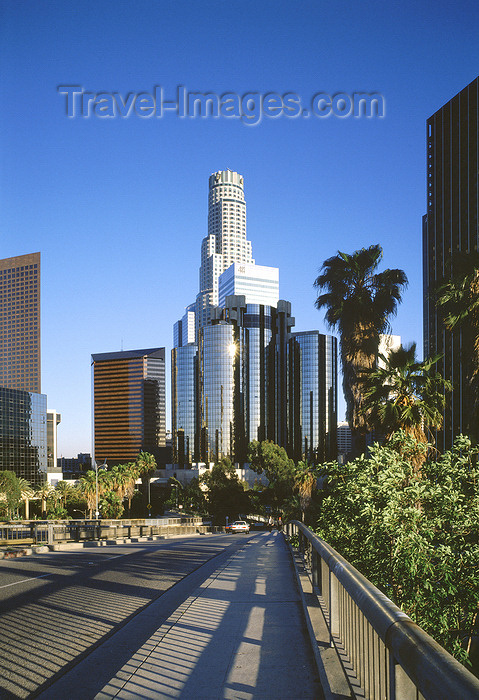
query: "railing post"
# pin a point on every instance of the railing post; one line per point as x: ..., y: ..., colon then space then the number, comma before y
x: 333, y: 607
x: 50, y: 533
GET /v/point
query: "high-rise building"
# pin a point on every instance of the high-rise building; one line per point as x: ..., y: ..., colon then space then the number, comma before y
x: 23, y: 434
x: 129, y: 407
x: 53, y: 420
x: 226, y: 241
x: 244, y: 375
x: 451, y: 225
x: 20, y: 323
x: 23, y: 411
x: 257, y: 283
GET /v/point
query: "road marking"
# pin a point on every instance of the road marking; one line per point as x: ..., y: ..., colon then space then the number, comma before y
x: 24, y: 580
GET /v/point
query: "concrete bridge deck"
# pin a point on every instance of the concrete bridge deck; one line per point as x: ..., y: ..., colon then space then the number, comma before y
x: 239, y: 635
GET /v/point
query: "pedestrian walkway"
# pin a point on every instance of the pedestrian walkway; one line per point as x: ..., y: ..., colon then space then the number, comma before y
x: 239, y: 636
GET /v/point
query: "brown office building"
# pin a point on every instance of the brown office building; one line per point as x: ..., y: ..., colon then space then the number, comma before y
x: 20, y: 323
x: 129, y: 406
x: 451, y: 226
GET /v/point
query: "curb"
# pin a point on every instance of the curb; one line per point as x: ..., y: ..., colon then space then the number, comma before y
x: 331, y: 673
x: 72, y: 546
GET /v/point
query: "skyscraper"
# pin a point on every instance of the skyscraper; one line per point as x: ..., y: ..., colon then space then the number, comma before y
x: 244, y: 375
x: 129, y: 409
x: 226, y: 241
x: 20, y: 323
x: 23, y: 410
x: 451, y: 225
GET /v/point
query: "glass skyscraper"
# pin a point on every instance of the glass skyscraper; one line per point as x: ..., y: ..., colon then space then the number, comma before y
x: 244, y: 375
x: 23, y: 434
x: 451, y: 225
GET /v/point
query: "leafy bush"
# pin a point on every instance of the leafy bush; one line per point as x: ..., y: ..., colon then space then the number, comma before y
x: 414, y: 535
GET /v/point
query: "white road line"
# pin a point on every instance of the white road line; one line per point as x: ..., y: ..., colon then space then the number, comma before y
x: 24, y: 580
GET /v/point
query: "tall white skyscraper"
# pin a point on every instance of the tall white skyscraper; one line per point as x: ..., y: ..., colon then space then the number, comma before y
x: 226, y: 241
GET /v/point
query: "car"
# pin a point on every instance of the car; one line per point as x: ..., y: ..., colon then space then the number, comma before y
x: 239, y: 526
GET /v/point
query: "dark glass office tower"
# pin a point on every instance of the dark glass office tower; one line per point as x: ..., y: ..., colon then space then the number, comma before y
x: 20, y: 323
x: 129, y: 407
x: 451, y: 226
x: 23, y: 434
x: 250, y: 378
x: 316, y: 377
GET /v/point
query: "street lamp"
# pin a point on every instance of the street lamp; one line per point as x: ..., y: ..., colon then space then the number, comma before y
x: 104, y: 466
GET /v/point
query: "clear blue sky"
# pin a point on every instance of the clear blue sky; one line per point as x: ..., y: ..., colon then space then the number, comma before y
x: 118, y: 207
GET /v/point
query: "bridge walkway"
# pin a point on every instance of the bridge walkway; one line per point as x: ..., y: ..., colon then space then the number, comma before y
x: 239, y: 635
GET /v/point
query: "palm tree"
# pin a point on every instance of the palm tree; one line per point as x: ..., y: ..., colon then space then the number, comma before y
x: 359, y: 302
x: 305, y: 480
x: 43, y: 492
x: 88, y: 489
x: 146, y: 464
x: 404, y: 394
x: 27, y: 493
x: 459, y: 300
x: 64, y: 490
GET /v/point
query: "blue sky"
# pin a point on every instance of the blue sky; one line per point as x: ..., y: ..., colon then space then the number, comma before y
x: 118, y: 207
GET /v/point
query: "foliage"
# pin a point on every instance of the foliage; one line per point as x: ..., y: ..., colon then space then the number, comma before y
x: 359, y: 302
x: 414, y: 535
x: 225, y: 493
x: 111, y: 505
x: 305, y: 483
x: 10, y: 493
x: 404, y: 394
x: 458, y: 300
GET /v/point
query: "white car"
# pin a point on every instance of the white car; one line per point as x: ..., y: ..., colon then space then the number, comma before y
x: 240, y: 526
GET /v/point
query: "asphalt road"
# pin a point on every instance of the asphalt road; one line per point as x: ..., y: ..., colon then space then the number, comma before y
x: 56, y: 608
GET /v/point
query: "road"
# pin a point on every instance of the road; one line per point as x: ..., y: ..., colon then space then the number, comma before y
x: 56, y: 608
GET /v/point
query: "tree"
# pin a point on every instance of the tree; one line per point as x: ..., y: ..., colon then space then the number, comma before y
x: 305, y: 481
x: 404, y: 394
x: 359, y: 302
x: 226, y: 495
x: 27, y: 492
x: 146, y: 464
x: 458, y: 298
x: 270, y: 459
x: 88, y: 489
x: 10, y: 493
x: 43, y: 492
x: 415, y: 536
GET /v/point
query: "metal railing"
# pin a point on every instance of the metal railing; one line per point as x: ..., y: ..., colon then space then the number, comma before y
x: 40, y: 532
x: 391, y: 657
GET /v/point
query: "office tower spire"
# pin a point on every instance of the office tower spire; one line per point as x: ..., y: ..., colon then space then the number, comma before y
x: 226, y: 241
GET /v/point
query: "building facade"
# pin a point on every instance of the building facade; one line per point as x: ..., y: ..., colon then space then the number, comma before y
x: 451, y: 226
x: 23, y: 434
x: 244, y: 375
x: 226, y: 241
x: 20, y: 323
x: 129, y: 405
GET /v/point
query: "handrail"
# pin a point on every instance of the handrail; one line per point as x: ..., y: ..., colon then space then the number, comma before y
x: 350, y: 598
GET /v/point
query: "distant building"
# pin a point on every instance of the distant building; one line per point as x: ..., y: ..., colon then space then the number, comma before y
x: 386, y: 344
x: 78, y: 465
x: 53, y: 420
x: 345, y: 443
x: 450, y: 226
x: 129, y: 405
x: 23, y: 434
x: 20, y: 323
x: 184, y: 329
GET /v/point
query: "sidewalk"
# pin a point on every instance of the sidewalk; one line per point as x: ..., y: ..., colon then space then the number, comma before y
x: 239, y: 636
